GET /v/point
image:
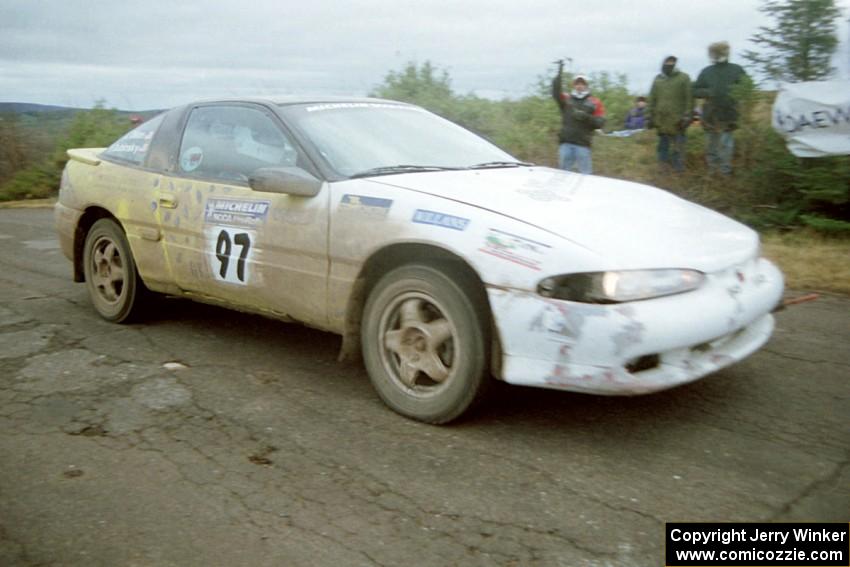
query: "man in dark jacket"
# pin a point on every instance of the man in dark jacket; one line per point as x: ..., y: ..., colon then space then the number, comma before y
x: 581, y: 114
x: 670, y: 111
x: 720, y: 110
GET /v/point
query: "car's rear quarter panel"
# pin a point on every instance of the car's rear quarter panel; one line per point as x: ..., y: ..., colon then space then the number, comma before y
x: 127, y: 194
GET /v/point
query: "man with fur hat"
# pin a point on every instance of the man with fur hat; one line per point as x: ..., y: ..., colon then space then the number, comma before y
x: 670, y: 111
x: 581, y: 114
x: 719, y: 111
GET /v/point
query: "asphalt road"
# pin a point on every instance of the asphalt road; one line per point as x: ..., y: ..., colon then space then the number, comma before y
x: 258, y: 448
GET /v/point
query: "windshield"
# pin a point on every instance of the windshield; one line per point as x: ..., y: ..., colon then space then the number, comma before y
x: 362, y: 138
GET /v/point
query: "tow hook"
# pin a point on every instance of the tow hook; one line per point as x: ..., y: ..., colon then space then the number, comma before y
x: 788, y: 301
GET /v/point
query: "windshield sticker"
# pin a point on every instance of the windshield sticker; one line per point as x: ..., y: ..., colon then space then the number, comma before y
x: 514, y: 248
x: 236, y: 213
x: 342, y: 105
x: 422, y: 216
x: 191, y: 158
x: 373, y: 206
x: 132, y: 143
x: 129, y: 148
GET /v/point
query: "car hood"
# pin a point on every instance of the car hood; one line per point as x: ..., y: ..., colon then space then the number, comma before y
x: 633, y: 225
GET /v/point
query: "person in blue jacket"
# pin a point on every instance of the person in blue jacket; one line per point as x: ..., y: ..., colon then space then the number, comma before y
x: 636, y: 116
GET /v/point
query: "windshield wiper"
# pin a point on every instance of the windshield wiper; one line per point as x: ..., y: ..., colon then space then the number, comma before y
x: 497, y: 164
x: 392, y: 169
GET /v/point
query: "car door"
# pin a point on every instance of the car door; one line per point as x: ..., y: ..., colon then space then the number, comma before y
x: 255, y: 250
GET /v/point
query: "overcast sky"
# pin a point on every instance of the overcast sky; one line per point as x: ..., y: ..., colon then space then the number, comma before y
x: 153, y: 54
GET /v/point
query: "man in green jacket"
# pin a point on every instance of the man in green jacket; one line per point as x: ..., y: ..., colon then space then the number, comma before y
x: 720, y: 110
x: 670, y: 111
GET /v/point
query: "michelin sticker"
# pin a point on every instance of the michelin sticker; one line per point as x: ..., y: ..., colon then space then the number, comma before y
x: 234, y: 212
x: 421, y: 216
x: 368, y: 206
x: 514, y: 249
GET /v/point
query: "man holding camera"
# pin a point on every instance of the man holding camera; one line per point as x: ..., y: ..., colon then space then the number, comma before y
x: 581, y: 114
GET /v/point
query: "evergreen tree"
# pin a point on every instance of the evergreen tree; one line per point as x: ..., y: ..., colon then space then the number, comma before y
x: 800, y: 43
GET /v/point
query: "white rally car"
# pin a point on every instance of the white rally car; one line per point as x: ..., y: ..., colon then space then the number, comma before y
x: 441, y: 258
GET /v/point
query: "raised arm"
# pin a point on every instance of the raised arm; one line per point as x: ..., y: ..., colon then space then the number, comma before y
x: 557, y: 85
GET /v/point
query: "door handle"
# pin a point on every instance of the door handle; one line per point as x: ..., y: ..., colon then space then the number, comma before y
x: 167, y: 201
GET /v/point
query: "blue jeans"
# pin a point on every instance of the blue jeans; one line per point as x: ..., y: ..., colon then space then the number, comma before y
x: 718, y: 152
x: 571, y: 155
x: 671, y: 150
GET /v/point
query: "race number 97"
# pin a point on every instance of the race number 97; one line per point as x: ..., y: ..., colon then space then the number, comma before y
x: 231, y: 254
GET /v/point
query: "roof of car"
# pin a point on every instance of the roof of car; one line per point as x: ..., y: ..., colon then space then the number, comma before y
x: 329, y: 99
x: 286, y: 100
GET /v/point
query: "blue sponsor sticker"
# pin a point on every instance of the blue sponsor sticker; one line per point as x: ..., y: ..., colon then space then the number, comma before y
x: 236, y: 212
x: 422, y: 216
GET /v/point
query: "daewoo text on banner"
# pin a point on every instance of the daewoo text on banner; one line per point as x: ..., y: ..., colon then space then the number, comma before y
x: 814, y: 118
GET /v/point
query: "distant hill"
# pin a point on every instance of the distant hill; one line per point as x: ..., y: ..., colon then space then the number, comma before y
x: 31, y: 108
x: 28, y: 108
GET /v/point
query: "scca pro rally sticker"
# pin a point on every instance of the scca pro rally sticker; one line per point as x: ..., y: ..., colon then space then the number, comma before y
x: 514, y: 248
x: 235, y: 212
x: 421, y: 216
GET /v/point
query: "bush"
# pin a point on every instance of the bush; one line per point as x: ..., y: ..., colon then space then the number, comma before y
x: 93, y: 128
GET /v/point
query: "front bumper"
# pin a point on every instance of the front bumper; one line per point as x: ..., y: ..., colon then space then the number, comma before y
x: 641, y: 346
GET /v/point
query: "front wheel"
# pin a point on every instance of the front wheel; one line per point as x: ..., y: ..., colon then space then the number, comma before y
x: 425, y: 337
x: 111, y: 278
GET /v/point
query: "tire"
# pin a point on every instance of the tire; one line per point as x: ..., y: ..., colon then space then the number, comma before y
x: 426, y: 342
x: 110, y: 271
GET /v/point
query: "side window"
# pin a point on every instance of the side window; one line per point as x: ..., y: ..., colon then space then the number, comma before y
x: 231, y: 142
x: 134, y: 145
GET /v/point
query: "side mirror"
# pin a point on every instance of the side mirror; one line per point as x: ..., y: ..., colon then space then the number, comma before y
x: 288, y: 180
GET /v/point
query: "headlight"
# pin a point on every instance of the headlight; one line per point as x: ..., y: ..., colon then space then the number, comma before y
x: 617, y: 287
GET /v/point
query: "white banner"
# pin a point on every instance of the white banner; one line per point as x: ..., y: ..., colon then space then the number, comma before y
x: 814, y: 118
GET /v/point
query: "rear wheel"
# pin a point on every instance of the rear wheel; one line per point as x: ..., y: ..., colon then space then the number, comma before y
x: 425, y: 337
x: 111, y: 277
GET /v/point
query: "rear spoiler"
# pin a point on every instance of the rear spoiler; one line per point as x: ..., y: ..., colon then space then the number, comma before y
x: 88, y: 156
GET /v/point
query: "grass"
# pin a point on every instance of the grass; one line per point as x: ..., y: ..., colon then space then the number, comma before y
x: 634, y: 159
x: 810, y: 261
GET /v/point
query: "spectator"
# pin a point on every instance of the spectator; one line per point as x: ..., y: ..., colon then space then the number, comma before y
x: 719, y: 111
x: 670, y: 112
x: 581, y: 114
x: 636, y: 116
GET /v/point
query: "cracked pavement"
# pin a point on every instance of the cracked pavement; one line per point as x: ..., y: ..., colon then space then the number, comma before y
x: 208, y: 437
